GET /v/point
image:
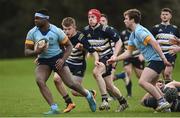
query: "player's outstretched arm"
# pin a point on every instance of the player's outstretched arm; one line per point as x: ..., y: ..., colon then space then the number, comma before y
x: 118, y: 46
x: 173, y: 84
x: 123, y: 56
x: 156, y: 46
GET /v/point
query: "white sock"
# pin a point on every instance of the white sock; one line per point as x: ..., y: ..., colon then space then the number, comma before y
x: 54, y: 106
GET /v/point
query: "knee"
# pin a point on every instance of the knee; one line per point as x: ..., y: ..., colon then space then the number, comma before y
x: 167, y: 75
x: 108, y: 89
x: 96, y: 75
x: 57, y: 79
x: 141, y: 82
x: 40, y: 82
x: 128, y: 73
x: 109, y: 86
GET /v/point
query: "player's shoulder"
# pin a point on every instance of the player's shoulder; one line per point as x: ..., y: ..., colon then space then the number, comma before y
x: 123, y: 32
x: 157, y: 26
x: 174, y: 26
x: 80, y: 35
x: 33, y: 30
x: 86, y: 28
x: 54, y: 28
x: 106, y: 28
x: 140, y: 30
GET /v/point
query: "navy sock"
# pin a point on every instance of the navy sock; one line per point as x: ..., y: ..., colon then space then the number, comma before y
x: 104, y: 97
x: 120, y: 75
x: 67, y: 99
x: 129, y: 88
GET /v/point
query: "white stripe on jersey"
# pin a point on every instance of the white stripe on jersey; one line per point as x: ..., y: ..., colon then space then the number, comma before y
x: 165, y: 47
x: 108, y: 51
x: 103, y: 47
x: 163, y: 41
x: 99, y: 42
x: 164, y: 36
x: 76, y: 57
x: 70, y: 62
x: 74, y: 53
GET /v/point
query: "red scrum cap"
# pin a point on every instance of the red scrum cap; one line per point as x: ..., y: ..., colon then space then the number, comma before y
x: 95, y: 12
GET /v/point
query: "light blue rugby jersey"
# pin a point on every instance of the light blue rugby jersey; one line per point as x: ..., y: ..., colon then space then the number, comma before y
x: 137, y: 39
x: 54, y: 36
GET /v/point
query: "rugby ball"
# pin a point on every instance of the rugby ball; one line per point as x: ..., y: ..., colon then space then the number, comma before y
x: 41, y: 44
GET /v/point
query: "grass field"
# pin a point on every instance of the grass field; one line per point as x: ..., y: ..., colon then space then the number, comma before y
x: 20, y: 96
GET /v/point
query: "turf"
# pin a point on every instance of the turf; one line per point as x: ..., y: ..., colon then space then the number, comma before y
x: 20, y: 96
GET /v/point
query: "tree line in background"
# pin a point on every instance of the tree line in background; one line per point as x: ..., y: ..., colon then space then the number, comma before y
x: 17, y: 16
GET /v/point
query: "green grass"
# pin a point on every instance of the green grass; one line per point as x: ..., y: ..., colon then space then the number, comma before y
x: 20, y: 96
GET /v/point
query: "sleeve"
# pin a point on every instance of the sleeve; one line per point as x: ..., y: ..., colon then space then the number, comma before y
x: 86, y: 44
x: 143, y: 36
x: 131, y: 45
x: 113, y: 34
x: 30, y: 39
x: 62, y: 36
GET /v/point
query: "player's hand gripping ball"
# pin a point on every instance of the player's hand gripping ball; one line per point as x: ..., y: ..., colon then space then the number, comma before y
x: 41, y: 45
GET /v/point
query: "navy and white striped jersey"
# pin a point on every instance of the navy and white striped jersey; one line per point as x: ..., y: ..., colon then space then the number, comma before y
x: 112, y: 42
x: 163, y: 33
x: 100, y: 39
x: 77, y: 56
x: 125, y: 34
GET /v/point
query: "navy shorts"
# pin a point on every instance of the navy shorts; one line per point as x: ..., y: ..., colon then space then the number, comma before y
x: 50, y: 61
x: 135, y: 62
x: 150, y: 102
x: 157, y: 66
x: 108, y: 67
x: 77, y: 70
x: 171, y: 58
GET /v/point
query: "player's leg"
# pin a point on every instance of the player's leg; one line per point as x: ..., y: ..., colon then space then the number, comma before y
x: 116, y: 92
x: 154, y: 82
x: 67, y: 78
x: 122, y: 75
x: 167, y: 74
x: 138, y: 72
x: 128, y: 69
x: 150, y: 102
x: 78, y: 72
x: 97, y: 73
x: 138, y: 67
x: 63, y: 92
x: 149, y: 74
x: 42, y: 74
x: 114, y: 78
x: 118, y: 76
x: 145, y: 81
x: 79, y: 80
x: 59, y: 85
